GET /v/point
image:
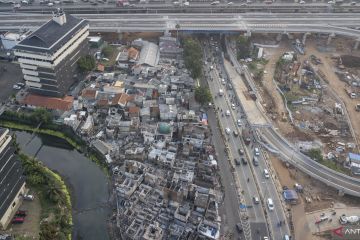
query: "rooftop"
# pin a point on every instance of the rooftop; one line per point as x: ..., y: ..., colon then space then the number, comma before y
x: 62, y: 104
x: 52, y: 36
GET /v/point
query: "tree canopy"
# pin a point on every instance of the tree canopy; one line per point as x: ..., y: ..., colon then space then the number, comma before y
x: 86, y: 63
x: 243, y: 47
x: 203, y: 95
x: 193, y: 56
x: 107, y: 51
x: 315, y: 154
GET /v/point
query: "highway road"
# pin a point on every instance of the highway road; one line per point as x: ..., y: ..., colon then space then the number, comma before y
x: 339, y: 24
x: 230, y: 204
x: 257, y: 185
x: 168, y: 6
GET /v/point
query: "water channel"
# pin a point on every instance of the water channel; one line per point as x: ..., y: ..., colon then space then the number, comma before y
x: 88, y: 184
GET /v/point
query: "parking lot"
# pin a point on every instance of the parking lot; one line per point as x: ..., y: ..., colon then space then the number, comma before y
x: 30, y: 228
x: 10, y: 74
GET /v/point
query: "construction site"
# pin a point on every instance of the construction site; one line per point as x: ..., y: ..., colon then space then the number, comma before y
x: 310, y: 87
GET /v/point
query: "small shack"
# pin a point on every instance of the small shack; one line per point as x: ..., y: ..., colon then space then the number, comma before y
x: 291, y: 196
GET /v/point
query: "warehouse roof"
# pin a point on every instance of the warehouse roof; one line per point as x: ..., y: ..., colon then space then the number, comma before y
x: 149, y: 54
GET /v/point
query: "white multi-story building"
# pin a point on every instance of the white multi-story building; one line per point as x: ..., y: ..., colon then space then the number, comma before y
x: 48, y: 56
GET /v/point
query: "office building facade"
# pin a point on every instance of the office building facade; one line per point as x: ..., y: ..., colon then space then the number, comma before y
x: 48, y: 56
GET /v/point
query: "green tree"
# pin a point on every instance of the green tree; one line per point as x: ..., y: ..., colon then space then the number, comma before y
x: 86, y: 63
x: 107, y: 51
x: 243, y: 47
x: 48, y: 231
x: 315, y: 154
x: 203, y: 95
x: 193, y: 56
x: 41, y: 115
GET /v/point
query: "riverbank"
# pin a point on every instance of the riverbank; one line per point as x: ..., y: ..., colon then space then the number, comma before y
x: 55, y: 200
x: 88, y: 184
x: 80, y: 146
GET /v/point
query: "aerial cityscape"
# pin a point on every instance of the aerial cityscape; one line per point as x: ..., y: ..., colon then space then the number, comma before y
x: 179, y: 120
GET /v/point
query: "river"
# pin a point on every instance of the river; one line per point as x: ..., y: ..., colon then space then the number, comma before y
x: 88, y: 184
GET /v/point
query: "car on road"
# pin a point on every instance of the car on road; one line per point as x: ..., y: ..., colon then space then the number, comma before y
x: 237, y: 161
x: 16, y: 87
x: 227, y: 113
x: 270, y: 204
x: 256, y: 200
x: 233, y: 106
x: 239, y: 227
x: 230, y: 3
x: 256, y: 151
x: 255, y: 161
x: 239, y: 122
x: 223, y: 81
x: 235, y: 133
x: 243, y: 160
x: 227, y: 130
x: 215, y: 3
x: 17, y: 220
x: 266, y: 173
x: 241, y: 151
x: 20, y: 84
x: 286, y: 237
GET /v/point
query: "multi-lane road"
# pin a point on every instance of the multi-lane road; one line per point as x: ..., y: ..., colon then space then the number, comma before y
x: 193, y: 6
x: 338, y: 24
x: 251, y: 179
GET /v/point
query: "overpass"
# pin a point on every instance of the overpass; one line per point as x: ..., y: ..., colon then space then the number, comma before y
x: 335, y: 24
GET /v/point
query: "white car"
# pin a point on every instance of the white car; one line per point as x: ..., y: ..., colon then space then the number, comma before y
x: 302, y: 2
x: 270, y: 204
x: 16, y: 87
x: 50, y: 4
x: 233, y: 106
x: 230, y: 3
x: 227, y: 113
x: 227, y: 130
x: 223, y: 81
x: 28, y: 197
x: 239, y: 122
x: 256, y: 151
x: 186, y: 4
x: 266, y: 173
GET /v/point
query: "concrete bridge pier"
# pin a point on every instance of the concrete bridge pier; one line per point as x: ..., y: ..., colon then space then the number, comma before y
x: 356, y: 45
x: 279, y: 37
x: 290, y: 36
x: 330, y: 38
x: 247, y: 34
x: 304, y: 38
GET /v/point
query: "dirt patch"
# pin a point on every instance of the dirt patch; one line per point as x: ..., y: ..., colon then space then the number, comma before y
x: 322, y: 197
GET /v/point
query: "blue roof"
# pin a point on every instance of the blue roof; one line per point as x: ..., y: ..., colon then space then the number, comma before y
x: 290, y: 194
x: 204, y: 116
x: 354, y: 156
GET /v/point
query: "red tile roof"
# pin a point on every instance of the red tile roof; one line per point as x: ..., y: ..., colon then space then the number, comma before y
x: 134, y: 110
x: 63, y: 104
x: 88, y: 93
